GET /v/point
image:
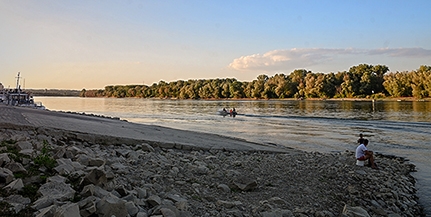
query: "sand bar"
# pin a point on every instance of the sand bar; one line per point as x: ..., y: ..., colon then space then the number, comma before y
x: 109, y: 130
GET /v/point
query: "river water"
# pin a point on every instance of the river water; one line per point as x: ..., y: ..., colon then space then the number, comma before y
x: 401, y: 128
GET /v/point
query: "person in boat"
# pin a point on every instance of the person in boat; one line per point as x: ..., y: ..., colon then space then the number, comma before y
x: 232, y: 112
x: 362, y: 153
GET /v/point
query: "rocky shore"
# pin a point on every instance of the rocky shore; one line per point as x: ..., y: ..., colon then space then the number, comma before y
x: 48, y: 172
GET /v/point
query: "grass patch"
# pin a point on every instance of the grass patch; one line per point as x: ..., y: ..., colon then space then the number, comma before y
x: 30, y: 191
x: 44, y: 159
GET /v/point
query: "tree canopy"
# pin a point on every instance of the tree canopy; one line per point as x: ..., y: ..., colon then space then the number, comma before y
x: 361, y: 81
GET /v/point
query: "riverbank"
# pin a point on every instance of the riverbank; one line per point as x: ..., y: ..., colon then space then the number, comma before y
x: 104, y: 174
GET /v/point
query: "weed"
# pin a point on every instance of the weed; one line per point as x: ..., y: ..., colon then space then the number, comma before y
x: 44, y: 159
x: 30, y: 191
x: 19, y: 175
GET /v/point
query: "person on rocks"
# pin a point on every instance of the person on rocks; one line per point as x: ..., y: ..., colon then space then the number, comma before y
x: 362, y: 153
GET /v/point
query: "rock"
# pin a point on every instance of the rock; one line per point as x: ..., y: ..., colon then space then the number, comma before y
x: 22, y: 145
x: 16, y: 185
x: 277, y: 201
x: 88, y: 206
x: 48, y: 211
x: 6, y: 176
x: 111, y: 205
x: 4, y: 159
x: 43, y: 202
x: 57, y: 190
x: 361, y: 172
x: 354, y: 211
x: 245, y: 183
x: 154, y: 200
x: 96, y: 162
x: 131, y: 208
x: 67, y: 166
x: 142, y: 193
x: 27, y: 152
x: 147, y: 147
x: 56, y: 179
x: 224, y: 188
x: 228, y: 204
x: 167, y: 212
x: 277, y: 213
x: 95, y: 177
x: 15, y: 167
x: 68, y: 210
x: 118, y: 166
x: 18, y: 202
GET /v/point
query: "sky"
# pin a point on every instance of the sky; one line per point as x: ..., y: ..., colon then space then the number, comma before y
x: 77, y: 44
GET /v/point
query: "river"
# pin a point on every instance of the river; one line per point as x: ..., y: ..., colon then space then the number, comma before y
x: 401, y: 128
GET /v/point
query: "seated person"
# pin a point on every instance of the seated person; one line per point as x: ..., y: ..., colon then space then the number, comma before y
x: 362, y: 153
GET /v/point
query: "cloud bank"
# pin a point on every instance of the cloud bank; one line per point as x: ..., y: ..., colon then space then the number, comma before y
x: 305, y: 57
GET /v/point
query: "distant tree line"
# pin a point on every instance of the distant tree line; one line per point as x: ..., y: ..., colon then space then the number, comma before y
x: 362, y: 81
x: 53, y: 92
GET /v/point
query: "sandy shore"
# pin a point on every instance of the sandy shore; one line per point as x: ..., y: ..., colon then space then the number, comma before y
x: 110, y: 130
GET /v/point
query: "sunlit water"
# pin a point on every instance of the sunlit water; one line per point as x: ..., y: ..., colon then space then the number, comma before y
x: 401, y: 128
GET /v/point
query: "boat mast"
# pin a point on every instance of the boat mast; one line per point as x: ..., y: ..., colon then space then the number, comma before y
x: 17, y: 81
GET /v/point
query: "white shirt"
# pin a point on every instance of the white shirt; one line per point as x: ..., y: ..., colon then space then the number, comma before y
x: 360, y: 151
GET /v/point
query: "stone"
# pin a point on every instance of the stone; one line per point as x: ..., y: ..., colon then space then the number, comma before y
x: 95, y: 177
x: 68, y: 210
x: 356, y: 211
x: 48, y: 211
x: 43, y: 202
x: 27, y: 152
x: 56, y: 178
x: 111, y: 205
x: 15, y: 167
x: 277, y: 201
x: 57, y: 190
x: 121, y: 191
x: 245, y: 183
x: 277, y: 213
x: 167, y: 212
x: 97, y: 162
x: 147, y: 147
x: 118, y: 166
x: 18, y: 202
x: 4, y: 159
x: 88, y: 206
x: 22, y: 145
x: 16, y: 185
x: 6, y: 176
x: 131, y: 208
x: 228, y: 204
x: 224, y: 188
x: 154, y: 200
x: 142, y: 193
x: 67, y: 166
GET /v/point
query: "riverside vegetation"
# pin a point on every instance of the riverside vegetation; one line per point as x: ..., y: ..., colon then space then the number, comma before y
x: 48, y: 172
x: 362, y: 81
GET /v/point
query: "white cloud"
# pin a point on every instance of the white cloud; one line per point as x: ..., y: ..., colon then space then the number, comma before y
x: 306, y: 57
x: 401, y: 52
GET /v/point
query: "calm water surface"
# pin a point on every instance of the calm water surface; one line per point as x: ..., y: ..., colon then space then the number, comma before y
x: 400, y: 128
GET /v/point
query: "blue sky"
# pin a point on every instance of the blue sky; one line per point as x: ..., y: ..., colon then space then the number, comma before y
x: 90, y: 44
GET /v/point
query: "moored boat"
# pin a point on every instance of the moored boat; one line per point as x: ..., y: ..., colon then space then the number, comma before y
x: 18, y: 97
